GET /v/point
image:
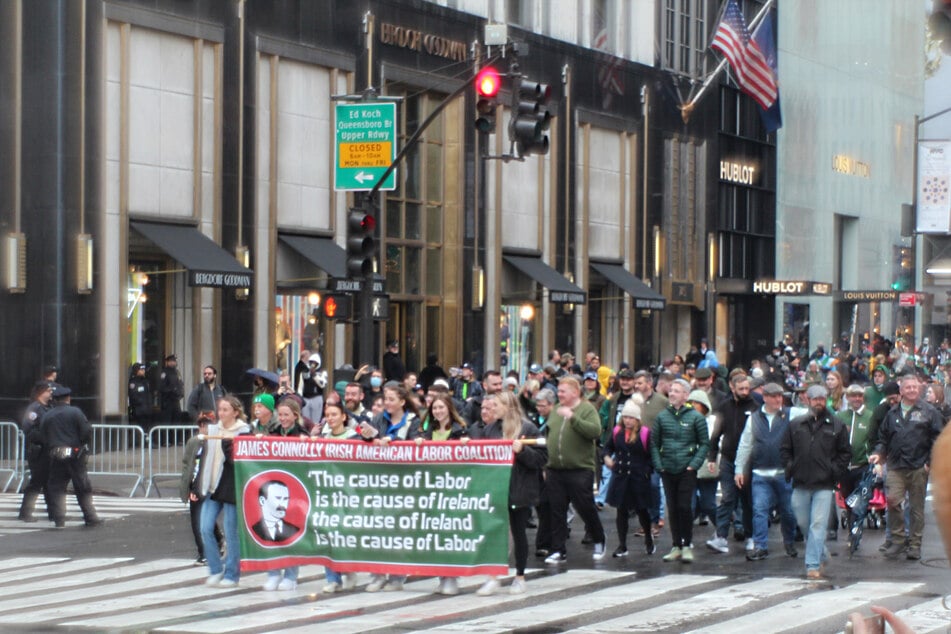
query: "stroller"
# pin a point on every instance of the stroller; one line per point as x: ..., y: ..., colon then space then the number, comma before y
x: 865, y: 506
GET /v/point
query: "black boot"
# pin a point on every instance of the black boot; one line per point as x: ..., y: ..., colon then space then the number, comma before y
x: 27, y: 506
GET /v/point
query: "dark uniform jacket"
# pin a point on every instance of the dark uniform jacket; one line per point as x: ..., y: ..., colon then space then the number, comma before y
x: 171, y: 390
x: 140, y: 397
x: 65, y: 426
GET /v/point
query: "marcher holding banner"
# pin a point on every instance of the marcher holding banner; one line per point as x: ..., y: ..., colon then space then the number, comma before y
x: 524, y: 483
x: 289, y: 421
x: 217, y: 490
x: 442, y: 423
x: 399, y: 421
x: 337, y: 427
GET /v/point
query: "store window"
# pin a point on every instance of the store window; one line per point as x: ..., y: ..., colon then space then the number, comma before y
x: 299, y: 325
x: 796, y: 327
x: 413, y: 231
x: 684, y: 25
x: 518, y: 329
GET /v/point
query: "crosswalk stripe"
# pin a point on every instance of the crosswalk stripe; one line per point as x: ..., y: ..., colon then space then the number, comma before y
x: 719, y: 601
x: 594, y: 602
x: 342, y: 606
x: 169, y: 595
x: 927, y: 617
x: 103, y: 598
x: 811, y: 608
x: 61, y: 568
x: 438, y: 609
x: 29, y: 562
x: 111, y: 574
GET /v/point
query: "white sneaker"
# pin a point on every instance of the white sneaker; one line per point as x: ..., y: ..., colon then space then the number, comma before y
x: 598, y: 553
x: 272, y: 582
x: 227, y: 583
x: 718, y: 544
x: 449, y: 586
x: 214, y: 580
x: 376, y: 583
x: 488, y: 588
x: 556, y: 558
x: 750, y: 545
x: 393, y: 585
x: 331, y: 587
x: 287, y: 584
x: 517, y: 587
x: 349, y: 580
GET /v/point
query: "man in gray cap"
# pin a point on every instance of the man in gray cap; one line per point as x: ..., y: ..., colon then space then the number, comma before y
x: 66, y: 433
x: 815, y: 452
x: 759, y: 450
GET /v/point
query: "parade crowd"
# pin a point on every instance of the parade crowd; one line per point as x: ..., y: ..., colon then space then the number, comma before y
x: 775, y: 440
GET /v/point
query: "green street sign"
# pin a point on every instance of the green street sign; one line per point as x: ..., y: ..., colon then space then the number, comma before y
x: 366, y: 145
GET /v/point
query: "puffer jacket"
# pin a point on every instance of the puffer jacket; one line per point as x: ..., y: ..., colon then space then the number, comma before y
x: 679, y: 439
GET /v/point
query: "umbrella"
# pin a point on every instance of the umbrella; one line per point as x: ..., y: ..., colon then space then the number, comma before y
x: 857, y: 503
x: 270, y: 377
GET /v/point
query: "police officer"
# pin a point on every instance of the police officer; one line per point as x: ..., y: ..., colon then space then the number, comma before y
x: 36, y: 455
x: 140, y: 399
x: 66, y: 433
x: 171, y: 390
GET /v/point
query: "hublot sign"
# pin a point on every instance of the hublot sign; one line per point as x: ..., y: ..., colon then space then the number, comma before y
x: 791, y: 287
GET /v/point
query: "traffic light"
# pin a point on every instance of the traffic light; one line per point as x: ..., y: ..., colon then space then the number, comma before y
x: 361, y: 243
x: 337, y: 306
x: 530, y: 117
x: 487, y: 85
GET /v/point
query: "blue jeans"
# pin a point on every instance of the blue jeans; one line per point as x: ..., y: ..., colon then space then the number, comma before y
x: 290, y: 573
x: 730, y: 494
x: 657, y: 498
x: 705, y: 501
x: 603, y: 487
x: 332, y: 575
x: 812, y: 514
x: 210, y: 509
x: 769, y: 492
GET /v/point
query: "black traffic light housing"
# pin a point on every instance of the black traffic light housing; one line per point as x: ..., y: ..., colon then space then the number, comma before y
x: 488, y: 83
x: 530, y: 117
x: 361, y: 241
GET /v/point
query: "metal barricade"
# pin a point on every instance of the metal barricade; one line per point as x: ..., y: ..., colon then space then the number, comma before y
x: 166, y: 451
x: 118, y: 451
x: 11, y: 455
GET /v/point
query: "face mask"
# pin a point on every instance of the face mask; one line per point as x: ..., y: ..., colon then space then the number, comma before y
x: 376, y: 381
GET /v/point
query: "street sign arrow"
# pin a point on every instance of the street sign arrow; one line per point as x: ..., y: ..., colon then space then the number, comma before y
x: 361, y: 177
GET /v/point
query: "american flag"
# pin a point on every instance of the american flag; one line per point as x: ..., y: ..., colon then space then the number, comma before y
x: 753, y: 74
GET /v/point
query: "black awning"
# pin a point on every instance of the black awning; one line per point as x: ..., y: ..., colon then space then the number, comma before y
x: 207, y: 263
x: 644, y: 296
x: 560, y: 290
x: 322, y: 252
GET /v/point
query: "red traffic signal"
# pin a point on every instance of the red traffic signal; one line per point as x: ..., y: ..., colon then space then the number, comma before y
x: 488, y: 82
x: 337, y: 306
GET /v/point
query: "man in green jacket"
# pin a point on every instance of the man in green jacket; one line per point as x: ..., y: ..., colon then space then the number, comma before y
x: 858, y: 419
x: 573, y: 430
x: 679, y: 444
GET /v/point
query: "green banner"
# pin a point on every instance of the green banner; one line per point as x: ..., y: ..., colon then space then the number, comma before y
x: 436, y: 508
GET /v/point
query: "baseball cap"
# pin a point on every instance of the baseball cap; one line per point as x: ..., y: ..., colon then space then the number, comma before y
x: 626, y: 373
x: 535, y: 368
x: 590, y: 376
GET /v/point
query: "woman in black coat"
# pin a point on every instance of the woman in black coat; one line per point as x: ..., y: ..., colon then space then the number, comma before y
x: 627, y: 454
x: 510, y: 424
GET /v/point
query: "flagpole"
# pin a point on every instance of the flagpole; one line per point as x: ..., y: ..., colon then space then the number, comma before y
x: 687, y: 108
